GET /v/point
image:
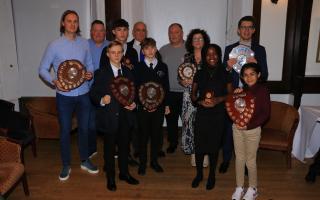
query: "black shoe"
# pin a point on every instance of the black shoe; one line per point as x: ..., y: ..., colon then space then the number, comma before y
x: 132, y: 162
x: 196, y: 181
x: 142, y: 170
x: 156, y: 167
x: 129, y: 179
x: 161, y: 154
x: 223, y: 167
x: 111, y: 184
x: 210, y: 183
x: 311, y: 176
x: 171, y: 149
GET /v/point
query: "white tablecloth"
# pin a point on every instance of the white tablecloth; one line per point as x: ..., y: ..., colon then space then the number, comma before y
x: 306, y: 142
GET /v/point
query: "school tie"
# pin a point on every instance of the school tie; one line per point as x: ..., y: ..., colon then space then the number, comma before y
x: 119, y: 72
x: 151, y: 65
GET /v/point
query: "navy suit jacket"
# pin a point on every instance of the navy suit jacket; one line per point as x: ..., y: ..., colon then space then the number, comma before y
x: 131, y: 53
x: 259, y: 54
x: 107, y: 116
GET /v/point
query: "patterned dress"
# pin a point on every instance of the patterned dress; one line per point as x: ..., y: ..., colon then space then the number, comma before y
x: 188, y: 113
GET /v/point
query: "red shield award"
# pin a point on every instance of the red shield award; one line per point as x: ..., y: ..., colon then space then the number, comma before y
x: 240, y: 108
x: 123, y: 90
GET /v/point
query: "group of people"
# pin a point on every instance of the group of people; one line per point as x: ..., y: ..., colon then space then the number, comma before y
x: 205, y: 125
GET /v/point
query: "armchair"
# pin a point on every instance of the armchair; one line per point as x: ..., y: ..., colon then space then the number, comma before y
x: 277, y: 134
x: 12, y: 170
x: 44, y: 115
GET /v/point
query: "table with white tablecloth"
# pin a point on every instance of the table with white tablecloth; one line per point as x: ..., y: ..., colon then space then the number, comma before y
x: 306, y: 142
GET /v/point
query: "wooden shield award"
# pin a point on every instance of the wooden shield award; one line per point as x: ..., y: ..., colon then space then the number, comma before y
x: 123, y: 90
x: 187, y: 71
x: 240, y: 108
x: 241, y: 53
x: 71, y: 74
x: 151, y: 95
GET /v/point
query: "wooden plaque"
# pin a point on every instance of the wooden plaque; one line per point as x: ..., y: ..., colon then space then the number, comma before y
x: 187, y: 71
x: 240, y: 108
x: 123, y: 90
x: 71, y: 74
x: 151, y: 95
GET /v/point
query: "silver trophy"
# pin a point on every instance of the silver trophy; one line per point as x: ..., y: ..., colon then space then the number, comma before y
x: 241, y: 53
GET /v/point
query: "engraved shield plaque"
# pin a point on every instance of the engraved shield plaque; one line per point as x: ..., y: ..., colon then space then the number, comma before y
x: 71, y: 74
x: 240, y: 108
x: 151, y: 95
x: 241, y: 53
x: 123, y: 90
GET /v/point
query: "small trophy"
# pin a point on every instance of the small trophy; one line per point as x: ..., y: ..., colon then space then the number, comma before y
x: 208, y: 96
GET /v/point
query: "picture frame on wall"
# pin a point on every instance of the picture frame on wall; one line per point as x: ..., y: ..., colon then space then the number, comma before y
x: 318, y: 50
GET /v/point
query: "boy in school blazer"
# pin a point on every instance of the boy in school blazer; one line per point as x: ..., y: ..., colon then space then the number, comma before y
x: 150, y: 122
x: 113, y: 119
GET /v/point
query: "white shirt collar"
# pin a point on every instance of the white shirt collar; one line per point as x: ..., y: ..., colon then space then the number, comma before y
x: 154, y: 62
x: 115, y: 70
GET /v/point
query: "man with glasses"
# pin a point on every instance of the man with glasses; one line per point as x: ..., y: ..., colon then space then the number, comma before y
x: 246, y: 30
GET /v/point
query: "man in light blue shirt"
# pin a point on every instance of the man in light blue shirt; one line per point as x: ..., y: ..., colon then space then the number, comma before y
x: 70, y: 46
x: 96, y: 43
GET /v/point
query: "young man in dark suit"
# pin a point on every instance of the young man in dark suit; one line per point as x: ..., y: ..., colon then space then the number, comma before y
x: 113, y: 119
x: 246, y: 30
x: 150, y: 121
x: 120, y: 31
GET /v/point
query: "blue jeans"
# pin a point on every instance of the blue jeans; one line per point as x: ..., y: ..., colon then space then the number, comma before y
x: 66, y: 105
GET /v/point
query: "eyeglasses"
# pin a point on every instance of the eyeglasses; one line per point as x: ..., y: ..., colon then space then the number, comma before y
x: 247, y: 27
x: 197, y: 39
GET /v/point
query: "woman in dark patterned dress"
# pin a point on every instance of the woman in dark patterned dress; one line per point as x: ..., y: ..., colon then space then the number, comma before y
x: 196, y: 40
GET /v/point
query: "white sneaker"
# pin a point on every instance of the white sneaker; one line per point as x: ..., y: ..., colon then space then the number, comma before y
x: 237, y: 193
x: 206, y: 161
x: 251, y: 194
x: 193, y: 160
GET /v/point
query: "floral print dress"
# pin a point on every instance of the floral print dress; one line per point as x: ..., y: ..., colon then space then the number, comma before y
x: 188, y: 113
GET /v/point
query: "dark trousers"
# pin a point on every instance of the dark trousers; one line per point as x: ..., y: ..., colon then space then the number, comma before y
x: 120, y: 138
x: 92, y: 139
x: 151, y: 126
x: 66, y: 105
x: 175, y: 104
x: 227, y: 141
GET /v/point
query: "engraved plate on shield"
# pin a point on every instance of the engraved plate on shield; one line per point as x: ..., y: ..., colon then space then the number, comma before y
x: 241, y: 53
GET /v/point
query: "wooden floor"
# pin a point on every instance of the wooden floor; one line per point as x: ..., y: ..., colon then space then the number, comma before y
x: 276, y: 182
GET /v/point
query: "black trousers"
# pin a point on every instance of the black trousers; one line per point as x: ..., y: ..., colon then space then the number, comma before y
x: 119, y: 138
x: 150, y: 124
x: 175, y: 104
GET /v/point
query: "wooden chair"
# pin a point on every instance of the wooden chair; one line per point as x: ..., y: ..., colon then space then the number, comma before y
x: 18, y: 128
x: 277, y: 134
x: 12, y: 171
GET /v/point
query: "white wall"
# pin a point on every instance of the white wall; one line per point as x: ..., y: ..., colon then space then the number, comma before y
x: 272, y: 35
x: 36, y: 24
x: 158, y: 15
x: 312, y: 67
